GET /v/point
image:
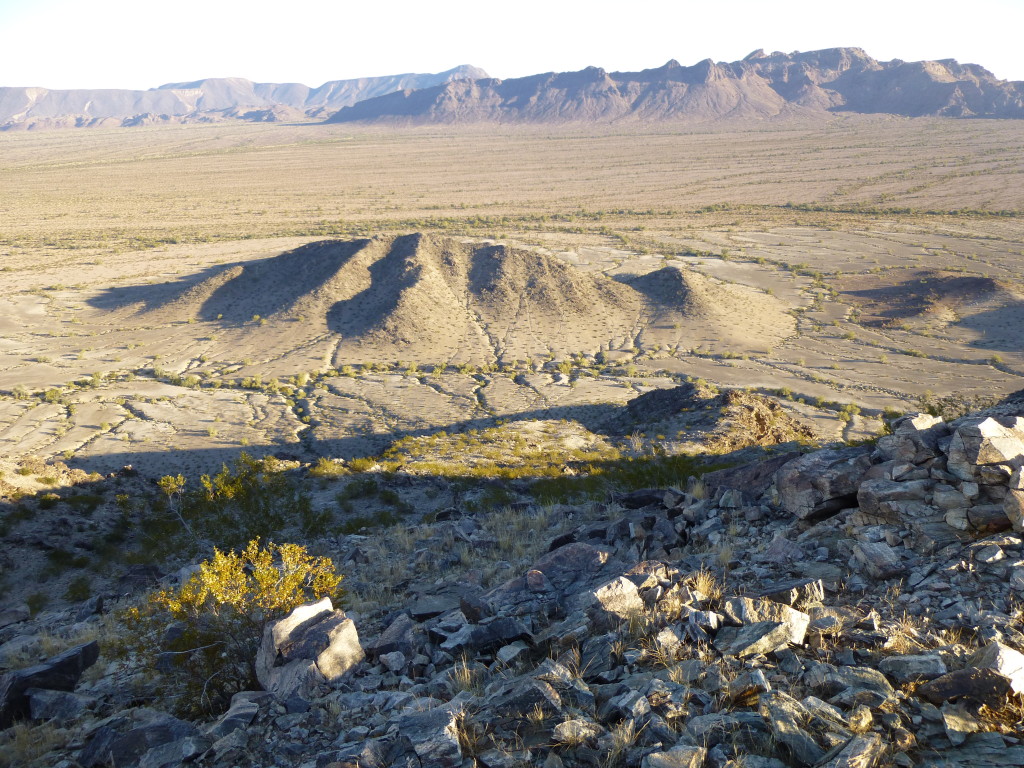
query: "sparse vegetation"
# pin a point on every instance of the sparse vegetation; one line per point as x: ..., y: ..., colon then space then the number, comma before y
x: 222, y: 610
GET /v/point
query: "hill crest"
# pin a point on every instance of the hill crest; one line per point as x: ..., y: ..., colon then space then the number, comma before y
x: 431, y: 298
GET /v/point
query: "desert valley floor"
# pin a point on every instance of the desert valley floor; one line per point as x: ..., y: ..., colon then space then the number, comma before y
x: 152, y: 309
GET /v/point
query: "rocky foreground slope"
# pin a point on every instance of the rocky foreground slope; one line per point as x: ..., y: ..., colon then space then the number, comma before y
x: 855, y: 606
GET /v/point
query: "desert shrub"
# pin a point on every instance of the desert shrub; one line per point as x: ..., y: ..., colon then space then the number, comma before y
x: 60, y: 560
x: 203, y: 637
x: 359, y: 488
x: 48, y: 500
x: 80, y: 588
x: 85, y: 502
x: 328, y: 468
x: 37, y: 601
x: 252, y: 499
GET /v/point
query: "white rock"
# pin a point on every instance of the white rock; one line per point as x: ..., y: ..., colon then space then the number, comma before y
x: 1004, y: 660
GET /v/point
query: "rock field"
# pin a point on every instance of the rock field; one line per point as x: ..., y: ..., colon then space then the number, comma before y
x: 859, y: 606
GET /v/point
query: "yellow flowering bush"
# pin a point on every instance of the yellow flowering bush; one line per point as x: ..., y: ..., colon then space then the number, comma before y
x: 205, y: 634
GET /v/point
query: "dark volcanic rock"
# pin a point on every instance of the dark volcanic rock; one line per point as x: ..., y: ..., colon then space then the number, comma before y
x: 60, y: 673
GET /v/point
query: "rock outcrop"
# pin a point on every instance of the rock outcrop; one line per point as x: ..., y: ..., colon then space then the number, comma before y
x: 834, y: 615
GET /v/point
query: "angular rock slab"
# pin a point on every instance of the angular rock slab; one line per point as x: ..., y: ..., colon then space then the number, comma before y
x: 611, y: 603
x: 314, y: 644
x: 1013, y: 509
x: 1004, y: 660
x: 879, y: 560
x: 576, y: 731
x: 859, y: 752
x: 128, y: 740
x: 986, y: 686
x: 753, y: 639
x: 59, y: 673
x: 434, y: 736
x: 907, y: 669
x: 784, y: 716
x: 980, y: 441
x: 744, y: 610
x: 45, y: 704
x: 822, y: 483
x: 399, y: 636
x: 681, y: 756
x: 795, y: 591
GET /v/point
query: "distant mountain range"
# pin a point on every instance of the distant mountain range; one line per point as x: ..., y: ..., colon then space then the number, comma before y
x: 209, y: 100
x: 761, y: 86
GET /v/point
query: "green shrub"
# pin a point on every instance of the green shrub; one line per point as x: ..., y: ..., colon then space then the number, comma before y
x: 85, y: 502
x: 37, y: 601
x: 250, y: 500
x: 48, y: 500
x: 218, y: 617
x: 327, y: 468
x: 79, y: 589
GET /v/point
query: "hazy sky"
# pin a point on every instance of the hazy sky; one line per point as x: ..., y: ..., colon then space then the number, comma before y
x: 144, y: 43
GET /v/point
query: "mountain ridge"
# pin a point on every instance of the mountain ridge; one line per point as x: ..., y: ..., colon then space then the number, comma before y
x: 206, y: 100
x: 760, y: 86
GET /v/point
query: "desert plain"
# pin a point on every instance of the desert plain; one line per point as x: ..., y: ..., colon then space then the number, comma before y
x: 481, y: 369
x: 161, y: 304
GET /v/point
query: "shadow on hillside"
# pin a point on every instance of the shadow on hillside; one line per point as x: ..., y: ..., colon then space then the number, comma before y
x: 233, y: 293
x: 595, y: 418
x: 390, y: 277
x: 999, y: 329
x: 152, y: 296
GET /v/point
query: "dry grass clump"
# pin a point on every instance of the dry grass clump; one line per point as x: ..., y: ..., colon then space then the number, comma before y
x: 25, y: 744
x: 623, y: 737
x: 705, y: 582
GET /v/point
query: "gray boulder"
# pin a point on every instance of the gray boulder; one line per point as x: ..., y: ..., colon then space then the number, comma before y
x: 753, y: 639
x: 820, y: 484
x: 681, y: 756
x: 979, y: 441
x: 433, y: 736
x: 128, y: 738
x: 611, y: 603
x: 45, y: 704
x: 876, y: 497
x: 784, y: 716
x: 864, y: 751
x: 315, y: 644
x: 399, y: 636
x: 1004, y: 660
x: 59, y: 673
x: 878, y: 559
x: 906, y: 669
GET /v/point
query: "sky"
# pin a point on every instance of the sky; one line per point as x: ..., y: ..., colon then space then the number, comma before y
x: 145, y: 43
